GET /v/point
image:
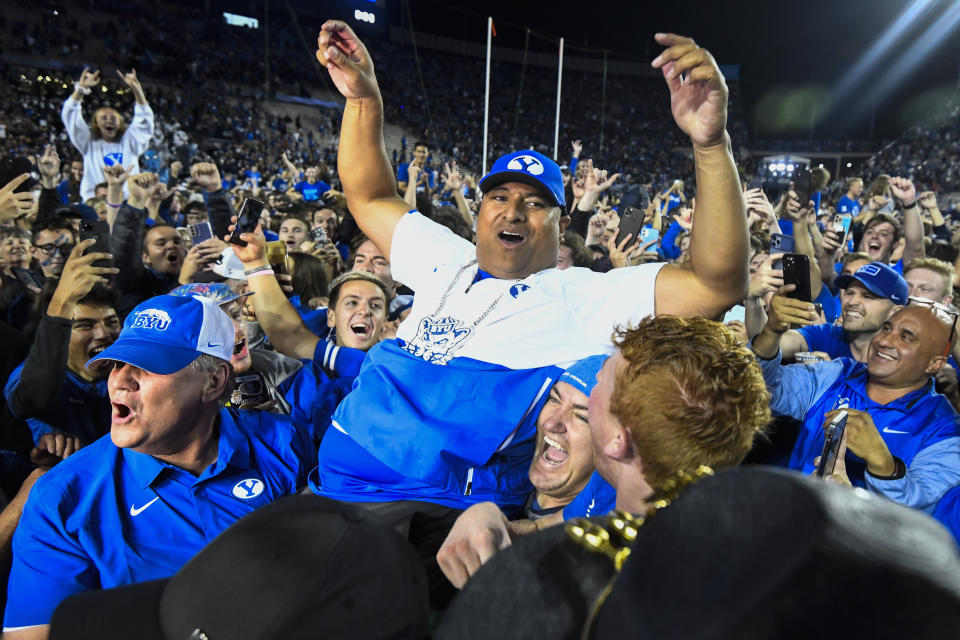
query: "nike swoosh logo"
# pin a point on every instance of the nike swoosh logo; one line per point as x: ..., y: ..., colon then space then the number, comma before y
x: 889, y: 430
x: 210, y: 345
x: 134, y: 511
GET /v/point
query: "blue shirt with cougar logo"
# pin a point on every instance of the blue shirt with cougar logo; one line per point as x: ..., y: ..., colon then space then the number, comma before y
x: 107, y: 517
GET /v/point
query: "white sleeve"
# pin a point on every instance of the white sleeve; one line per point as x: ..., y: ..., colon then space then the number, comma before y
x: 138, y: 134
x: 420, y: 245
x: 76, y: 126
x: 617, y: 298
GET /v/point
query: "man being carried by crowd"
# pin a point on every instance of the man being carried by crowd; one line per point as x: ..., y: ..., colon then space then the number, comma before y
x: 675, y: 395
x: 457, y: 394
x: 868, y: 297
x: 902, y: 437
x: 187, y: 469
x: 107, y: 141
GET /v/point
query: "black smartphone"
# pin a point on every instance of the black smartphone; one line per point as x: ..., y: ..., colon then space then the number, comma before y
x: 831, y: 446
x: 318, y: 235
x: 247, y: 219
x: 200, y: 231
x: 630, y: 222
x: 27, y: 278
x: 100, y: 232
x: 801, y: 185
x: 796, y: 271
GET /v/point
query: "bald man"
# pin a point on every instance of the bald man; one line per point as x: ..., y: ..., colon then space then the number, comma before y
x: 902, y: 437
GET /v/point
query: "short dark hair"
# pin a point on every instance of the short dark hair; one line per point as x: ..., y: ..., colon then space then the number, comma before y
x: 420, y: 143
x: 147, y: 230
x: 351, y: 276
x: 880, y: 218
x: 51, y: 224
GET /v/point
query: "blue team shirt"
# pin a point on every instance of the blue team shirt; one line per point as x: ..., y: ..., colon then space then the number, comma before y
x: 314, y: 319
x: 596, y: 499
x: 312, y: 192
x: 403, y: 174
x: 107, y: 517
x: 848, y: 205
x: 828, y: 338
x: 947, y: 512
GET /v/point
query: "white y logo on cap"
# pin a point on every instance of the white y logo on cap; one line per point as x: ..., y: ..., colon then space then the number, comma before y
x: 151, y: 319
x: 247, y: 489
x: 526, y: 163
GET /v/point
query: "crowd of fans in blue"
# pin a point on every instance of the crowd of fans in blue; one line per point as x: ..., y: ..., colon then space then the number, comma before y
x: 492, y: 354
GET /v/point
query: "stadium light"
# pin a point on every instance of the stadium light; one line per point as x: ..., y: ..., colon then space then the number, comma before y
x: 781, y: 166
x: 364, y: 16
x: 849, y: 164
x: 773, y: 166
x: 790, y: 168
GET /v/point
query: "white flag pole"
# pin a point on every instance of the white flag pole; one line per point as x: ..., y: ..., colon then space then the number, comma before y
x: 486, y: 97
x: 556, y: 129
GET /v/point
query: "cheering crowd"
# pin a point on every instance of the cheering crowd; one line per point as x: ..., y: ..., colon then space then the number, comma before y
x: 475, y: 362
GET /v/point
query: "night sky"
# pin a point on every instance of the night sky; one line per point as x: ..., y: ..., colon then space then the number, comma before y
x: 793, y: 55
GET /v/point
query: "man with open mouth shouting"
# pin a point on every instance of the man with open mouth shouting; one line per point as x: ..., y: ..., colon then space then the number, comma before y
x: 107, y: 141
x: 176, y: 469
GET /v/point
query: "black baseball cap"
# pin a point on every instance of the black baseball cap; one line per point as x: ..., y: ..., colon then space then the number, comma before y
x: 301, y: 567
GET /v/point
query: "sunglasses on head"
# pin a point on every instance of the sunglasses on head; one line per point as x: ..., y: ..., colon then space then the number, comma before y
x: 942, y: 311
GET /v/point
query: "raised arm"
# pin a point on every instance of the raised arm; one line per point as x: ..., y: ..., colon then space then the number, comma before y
x: 72, y: 111
x: 364, y: 166
x: 279, y: 320
x: 906, y: 194
x: 715, y: 277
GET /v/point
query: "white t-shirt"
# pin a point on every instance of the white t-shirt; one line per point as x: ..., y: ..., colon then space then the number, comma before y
x: 553, y: 317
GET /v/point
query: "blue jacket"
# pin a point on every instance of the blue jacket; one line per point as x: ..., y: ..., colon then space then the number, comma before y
x: 921, y: 428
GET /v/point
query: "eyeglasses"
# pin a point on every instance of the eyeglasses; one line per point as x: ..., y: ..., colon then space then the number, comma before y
x: 48, y: 249
x: 940, y: 310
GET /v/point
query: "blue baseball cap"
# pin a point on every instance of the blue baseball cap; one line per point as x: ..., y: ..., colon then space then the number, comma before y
x: 582, y: 375
x: 880, y: 279
x: 217, y: 291
x: 528, y: 167
x: 164, y: 334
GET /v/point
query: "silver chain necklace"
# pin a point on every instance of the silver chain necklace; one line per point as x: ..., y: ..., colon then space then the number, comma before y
x: 453, y: 283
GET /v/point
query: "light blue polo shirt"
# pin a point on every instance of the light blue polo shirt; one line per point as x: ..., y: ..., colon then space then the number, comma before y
x: 107, y: 517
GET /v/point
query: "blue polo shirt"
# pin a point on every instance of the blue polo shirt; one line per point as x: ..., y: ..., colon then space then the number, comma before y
x: 107, y: 517
x: 596, y: 499
x: 828, y: 338
x: 921, y: 428
x: 848, y: 205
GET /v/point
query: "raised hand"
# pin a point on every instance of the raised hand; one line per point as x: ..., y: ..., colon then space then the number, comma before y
x: 207, y: 176
x: 89, y: 79
x: 766, y: 279
x: 698, y: 92
x: 48, y: 166
x: 142, y: 186
x: 15, y: 204
x: 903, y: 190
x: 347, y: 60
x: 785, y: 311
x: 618, y: 252
x: 577, y: 147
x: 451, y: 176
x: 758, y: 203
x: 78, y: 277
x: 130, y: 79
x: 928, y: 200
x: 116, y: 174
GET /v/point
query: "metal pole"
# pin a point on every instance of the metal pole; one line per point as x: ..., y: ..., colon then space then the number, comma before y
x: 486, y: 95
x: 603, y: 98
x: 523, y: 69
x: 556, y: 128
x: 266, y: 50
